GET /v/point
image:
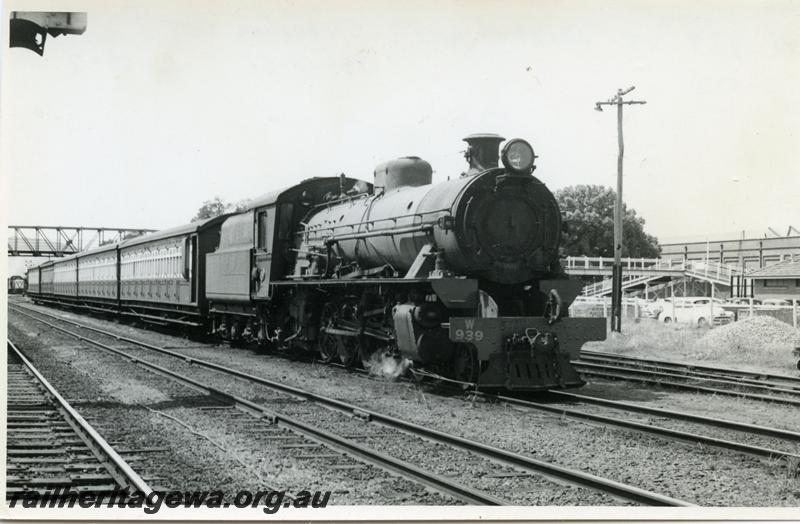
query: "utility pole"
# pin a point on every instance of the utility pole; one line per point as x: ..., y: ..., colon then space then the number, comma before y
x: 616, y: 284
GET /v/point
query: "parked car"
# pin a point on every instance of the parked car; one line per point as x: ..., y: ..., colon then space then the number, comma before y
x: 776, y: 302
x: 698, y: 311
x: 653, y: 309
x: 742, y: 301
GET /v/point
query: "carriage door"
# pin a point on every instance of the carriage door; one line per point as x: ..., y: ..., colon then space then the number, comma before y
x: 262, y: 254
x: 194, y: 254
x: 190, y: 265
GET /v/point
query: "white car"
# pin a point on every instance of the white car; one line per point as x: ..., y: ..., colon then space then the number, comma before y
x: 697, y: 311
x: 653, y: 308
x: 775, y: 302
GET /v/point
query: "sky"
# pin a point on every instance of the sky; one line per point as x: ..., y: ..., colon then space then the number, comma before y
x: 161, y: 105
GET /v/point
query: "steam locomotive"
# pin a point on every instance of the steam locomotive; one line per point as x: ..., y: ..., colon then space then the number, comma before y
x: 461, y: 278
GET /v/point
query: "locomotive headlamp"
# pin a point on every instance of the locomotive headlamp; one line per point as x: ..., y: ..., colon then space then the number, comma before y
x: 517, y: 155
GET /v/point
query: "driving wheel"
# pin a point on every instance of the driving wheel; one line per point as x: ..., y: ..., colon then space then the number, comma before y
x: 327, y: 344
x: 348, y: 350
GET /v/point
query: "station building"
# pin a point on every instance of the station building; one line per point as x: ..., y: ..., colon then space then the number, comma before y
x: 777, y: 281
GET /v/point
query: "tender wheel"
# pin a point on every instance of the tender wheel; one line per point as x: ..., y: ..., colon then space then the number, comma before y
x: 667, y: 320
x: 702, y: 322
x: 798, y: 364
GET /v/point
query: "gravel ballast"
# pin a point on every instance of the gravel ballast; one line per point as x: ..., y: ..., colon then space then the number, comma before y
x: 180, y: 439
x: 702, y: 475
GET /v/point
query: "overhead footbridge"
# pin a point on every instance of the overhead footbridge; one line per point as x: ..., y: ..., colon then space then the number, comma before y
x: 642, y: 273
x: 61, y: 241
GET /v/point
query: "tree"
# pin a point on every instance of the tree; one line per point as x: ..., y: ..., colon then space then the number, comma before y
x: 216, y: 207
x: 589, y: 213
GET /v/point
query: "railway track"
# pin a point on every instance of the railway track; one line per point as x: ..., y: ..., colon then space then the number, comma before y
x: 322, y: 418
x: 50, y: 445
x: 683, y: 377
x: 746, y: 377
x: 739, y: 428
x: 748, y: 430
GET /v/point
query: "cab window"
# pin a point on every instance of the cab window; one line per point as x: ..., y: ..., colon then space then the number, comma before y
x: 265, y: 229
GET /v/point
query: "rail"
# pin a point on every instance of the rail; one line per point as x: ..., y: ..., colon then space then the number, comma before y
x: 624, y: 491
x: 694, y: 368
x: 260, y: 411
x: 120, y: 469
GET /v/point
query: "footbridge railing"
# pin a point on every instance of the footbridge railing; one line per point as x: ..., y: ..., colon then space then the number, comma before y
x: 639, y: 271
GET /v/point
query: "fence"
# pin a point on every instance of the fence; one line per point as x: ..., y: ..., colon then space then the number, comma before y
x: 788, y: 313
x: 636, y: 308
x: 632, y: 308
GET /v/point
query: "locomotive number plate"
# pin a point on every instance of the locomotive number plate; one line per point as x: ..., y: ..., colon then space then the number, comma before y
x: 467, y: 335
x: 481, y: 332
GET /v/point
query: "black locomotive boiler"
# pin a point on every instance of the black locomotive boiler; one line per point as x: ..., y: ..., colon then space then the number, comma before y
x: 461, y: 278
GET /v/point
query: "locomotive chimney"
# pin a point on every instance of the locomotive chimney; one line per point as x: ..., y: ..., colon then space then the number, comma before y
x: 483, y: 152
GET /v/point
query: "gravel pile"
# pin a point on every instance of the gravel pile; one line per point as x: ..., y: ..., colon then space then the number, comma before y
x: 753, y: 332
